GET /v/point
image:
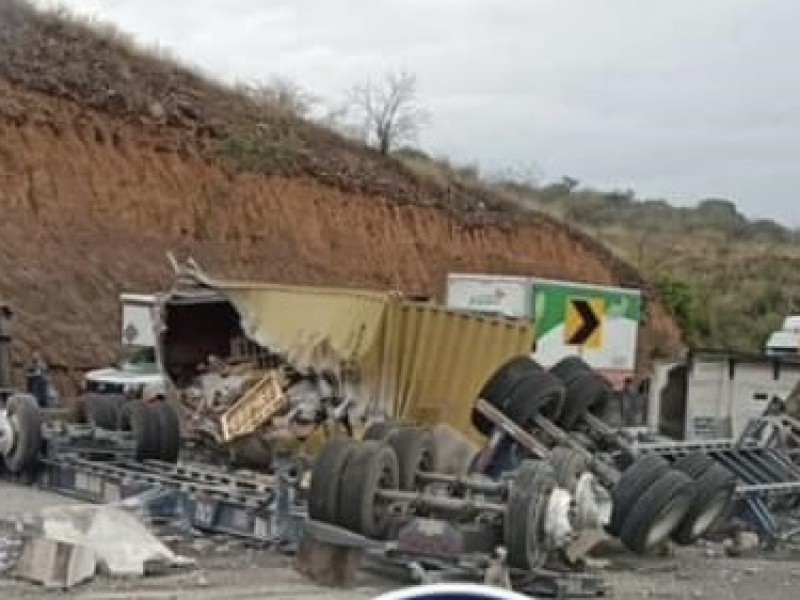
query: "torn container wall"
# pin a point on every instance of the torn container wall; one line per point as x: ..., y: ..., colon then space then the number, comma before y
x: 407, y: 360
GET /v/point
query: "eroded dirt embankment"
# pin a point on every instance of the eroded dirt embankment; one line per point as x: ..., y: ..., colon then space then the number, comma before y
x: 91, y: 205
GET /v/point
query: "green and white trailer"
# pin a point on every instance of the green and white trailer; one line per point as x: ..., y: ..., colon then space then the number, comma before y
x: 599, y: 323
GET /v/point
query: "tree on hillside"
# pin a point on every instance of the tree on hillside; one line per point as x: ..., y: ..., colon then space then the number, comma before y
x: 389, y: 112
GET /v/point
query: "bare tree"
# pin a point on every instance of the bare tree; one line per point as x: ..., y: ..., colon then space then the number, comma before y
x: 389, y: 112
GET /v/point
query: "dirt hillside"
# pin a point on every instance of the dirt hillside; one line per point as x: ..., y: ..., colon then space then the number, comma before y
x: 109, y: 158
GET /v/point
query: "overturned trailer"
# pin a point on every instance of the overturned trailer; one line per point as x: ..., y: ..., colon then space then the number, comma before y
x: 343, y: 355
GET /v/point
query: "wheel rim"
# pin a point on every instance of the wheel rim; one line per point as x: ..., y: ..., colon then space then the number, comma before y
x: 10, y: 434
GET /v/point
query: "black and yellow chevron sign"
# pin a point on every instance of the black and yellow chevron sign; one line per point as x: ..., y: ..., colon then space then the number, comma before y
x: 584, y: 323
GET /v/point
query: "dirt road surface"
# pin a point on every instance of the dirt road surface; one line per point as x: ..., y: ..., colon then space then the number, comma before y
x: 230, y: 570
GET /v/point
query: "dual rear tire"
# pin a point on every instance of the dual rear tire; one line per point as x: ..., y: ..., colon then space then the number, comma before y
x: 654, y: 501
x: 345, y: 482
x: 155, y: 429
x: 348, y: 476
x: 521, y: 389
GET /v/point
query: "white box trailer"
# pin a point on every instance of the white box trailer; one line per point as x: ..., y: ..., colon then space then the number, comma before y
x: 599, y: 323
x: 713, y: 395
x: 493, y: 294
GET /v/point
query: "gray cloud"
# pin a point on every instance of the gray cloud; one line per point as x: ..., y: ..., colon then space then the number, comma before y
x: 682, y: 100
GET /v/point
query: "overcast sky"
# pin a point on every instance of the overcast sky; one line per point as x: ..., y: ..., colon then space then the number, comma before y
x: 681, y: 99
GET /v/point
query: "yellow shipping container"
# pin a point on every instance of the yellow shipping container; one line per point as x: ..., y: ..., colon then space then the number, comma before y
x: 414, y: 361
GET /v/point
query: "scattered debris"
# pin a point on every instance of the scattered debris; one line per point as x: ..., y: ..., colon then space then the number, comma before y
x: 497, y: 572
x: 328, y: 556
x: 744, y: 543
x: 54, y: 564
x: 120, y: 542
x: 10, y: 549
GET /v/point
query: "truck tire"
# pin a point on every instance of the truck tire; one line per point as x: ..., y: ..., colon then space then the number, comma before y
x: 100, y: 411
x: 658, y: 512
x: 570, y: 366
x: 714, y: 487
x: 416, y: 451
x: 585, y: 390
x: 22, y: 412
x: 538, y: 392
x: 500, y: 385
x: 568, y: 466
x: 522, y: 525
x: 326, y: 476
x: 372, y: 467
x: 529, y: 471
x: 169, y: 431
x: 143, y: 423
x: 694, y: 464
x: 633, y: 484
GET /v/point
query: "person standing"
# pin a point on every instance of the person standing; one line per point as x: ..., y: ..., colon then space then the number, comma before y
x: 37, y: 378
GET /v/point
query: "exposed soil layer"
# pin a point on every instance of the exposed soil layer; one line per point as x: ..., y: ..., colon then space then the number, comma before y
x: 109, y: 158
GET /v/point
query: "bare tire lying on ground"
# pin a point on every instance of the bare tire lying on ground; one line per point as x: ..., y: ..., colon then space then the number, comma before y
x: 500, y: 386
x: 568, y: 466
x: 416, y: 451
x: 537, y: 393
x: 143, y: 423
x: 169, y: 431
x: 633, y: 484
x: 25, y: 443
x: 522, y: 526
x: 326, y: 477
x: 379, y: 431
x: 372, y: 467
x: 100, y: 410
x: 658, y: 512
x: 585, y: 390
x: 714, y: 487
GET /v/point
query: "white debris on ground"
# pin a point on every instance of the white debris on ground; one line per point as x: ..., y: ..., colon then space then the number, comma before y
x: 120, y: 542
x: 55, y: 565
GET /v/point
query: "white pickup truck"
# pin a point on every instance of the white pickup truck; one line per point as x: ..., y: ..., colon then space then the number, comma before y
x: 137, y: 374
